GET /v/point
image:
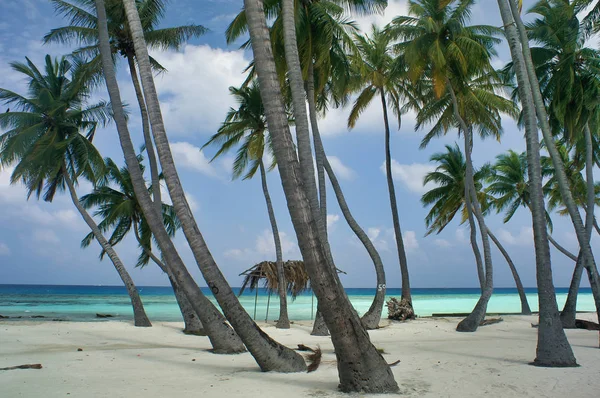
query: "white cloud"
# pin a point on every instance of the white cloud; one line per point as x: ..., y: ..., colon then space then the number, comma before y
x: 411, y: 175
x: 266, y: 246
x: 332, y: 219
x: 190, y: 103
x: 4, y: 249
x: 379, y: 242
x: 234, y: 253
x: 411, y: 243
x: 394, y: 8
x: 341, y: 170
x: 523, y: 238
x: 442, y: 243
x: 45, y: 236
x: 192, y: 201
x: 191, y: 157
x: 461, y: 235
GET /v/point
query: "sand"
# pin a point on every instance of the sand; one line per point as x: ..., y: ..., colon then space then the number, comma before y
x: 119, y: 360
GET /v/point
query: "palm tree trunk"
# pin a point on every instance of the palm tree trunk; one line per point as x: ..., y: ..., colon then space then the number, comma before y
x: 270, y: 355
x: 139, y: 314
x: 473, y: 238
x: 561, y: 248
x: 360, y: 366
x: 569, y: 312
x: 372, y: 317
x: 525, y: 310
x: 284, y: 321
x: 154, y: 174
x: 553, y: 348
x: 394, y: 206
x: 561, y: 177
x: 474, y: 319
x: 222, y: 337
x: 191, y: 321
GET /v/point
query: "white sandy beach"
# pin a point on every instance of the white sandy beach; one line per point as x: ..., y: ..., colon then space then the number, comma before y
x: 119, y: 360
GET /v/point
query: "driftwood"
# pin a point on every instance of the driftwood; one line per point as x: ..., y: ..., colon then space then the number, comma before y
x: 535, y: 325
x: 490, y: 321
x: 399, y: 310
x: 581, y: 324
x: 302, y: 347
x: 104, y: 316
x: 394, y: 363
x: 28, y: 366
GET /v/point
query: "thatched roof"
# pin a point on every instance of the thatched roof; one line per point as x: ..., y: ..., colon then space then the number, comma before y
x: 295, y: 275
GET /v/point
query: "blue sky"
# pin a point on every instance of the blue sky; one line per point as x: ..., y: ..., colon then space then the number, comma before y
x: 39, y: 242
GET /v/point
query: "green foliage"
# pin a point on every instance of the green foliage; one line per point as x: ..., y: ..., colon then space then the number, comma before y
x: 49, y: 130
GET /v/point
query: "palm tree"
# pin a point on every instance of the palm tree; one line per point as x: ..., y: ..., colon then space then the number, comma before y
x: 119, y: 211
x: 377, y: 73
x: 83, y: 30
x: 450, y: 56
x: 269, y: 354
x: 448, y: 198
x: 361, y: 367
x: 223, y: 338
x: 324, y: 41
x: 49, y: 140
x: 247, y: 124
x: 553, y: 348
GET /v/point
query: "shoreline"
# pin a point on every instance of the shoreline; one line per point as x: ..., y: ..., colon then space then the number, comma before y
x: 119, y: 360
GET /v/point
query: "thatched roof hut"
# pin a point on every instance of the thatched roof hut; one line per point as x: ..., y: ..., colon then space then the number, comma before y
x: 295, y: 275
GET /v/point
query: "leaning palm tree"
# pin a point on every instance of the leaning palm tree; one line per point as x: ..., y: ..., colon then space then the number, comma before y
x: 247, y: 124
x: 360, y: 366
x: 553, y: 348
x: 222, y: 337
x: 49, y: 141
x: 118, y: 209
x: 378, y: 73
x: 269, y: 354
x: 448, y: 199
x: 453, y: 58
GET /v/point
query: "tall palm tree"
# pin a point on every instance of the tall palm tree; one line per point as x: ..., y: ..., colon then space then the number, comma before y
x: 119, y: 211
x: 83, y: 31
x: 360, y: 366
x: 49, y: 140
x: 247, y: 124
x: 449, y: 55
x: 270, y: 355
x: 324, y: 41
x: 448, y: 199
x: 553, y: 348
x: 223, y: 338
x: 378, y: 73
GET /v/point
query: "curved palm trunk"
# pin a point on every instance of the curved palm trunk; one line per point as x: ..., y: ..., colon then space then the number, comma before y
x: 394, y: 206
x: 270, y: 355
x: 473, y: 239
x: 222, y: 337
x: 191, y: 321
x: 139, y: 314
x: 561, y: 248
x: 525, y: 310
x: 474, y: 319
x: 553, y: 348
x: 569, y: 312
x: 361, y: 367
x: 372, y: 317
x: 561, y: 177
x: 284, y: 321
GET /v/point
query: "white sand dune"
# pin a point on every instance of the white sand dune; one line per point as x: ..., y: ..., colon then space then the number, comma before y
x: 119, y: 360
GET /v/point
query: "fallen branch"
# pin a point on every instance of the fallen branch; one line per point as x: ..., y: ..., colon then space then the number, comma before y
x: 393, y: 363
x: 490, y: 321
x: 314, y: 359
x: 302, y: 347
x: 582, y: 324
x: 28, y: 366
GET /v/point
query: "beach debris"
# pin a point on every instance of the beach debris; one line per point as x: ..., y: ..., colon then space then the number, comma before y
x: 491, y: 321
x: 314, y: 358
x: 588, y: 325
x: 400, y: 310
x: 27, y: 366
x: 4, y: 317
x: 80, y: 349
x: 394, y: 363
x: 38, y: 316
x: 104, y: 316
x: 302, y: 347
x: 535, y: 325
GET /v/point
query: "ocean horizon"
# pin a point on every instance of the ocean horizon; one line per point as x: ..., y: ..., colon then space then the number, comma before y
x: 83, y: 302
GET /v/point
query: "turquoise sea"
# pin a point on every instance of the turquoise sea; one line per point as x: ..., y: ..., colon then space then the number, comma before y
x: 81, y: 303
